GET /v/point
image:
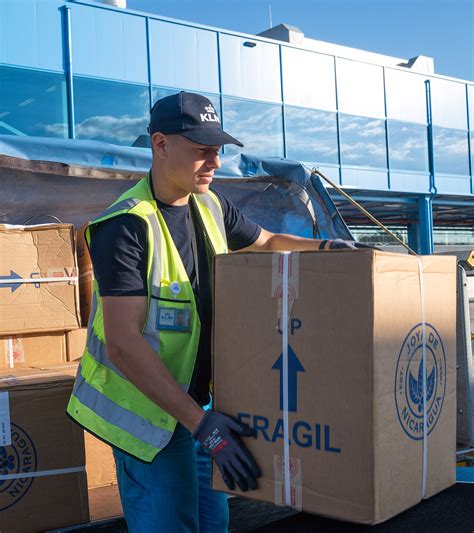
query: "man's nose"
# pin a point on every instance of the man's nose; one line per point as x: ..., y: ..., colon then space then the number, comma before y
x: 214, y: 161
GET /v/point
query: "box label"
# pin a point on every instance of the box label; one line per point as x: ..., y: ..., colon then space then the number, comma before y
x: 5, y: 429
x: 296, y: 492
x: 17, y: 463
x: 409, y: 378
x: 14, y: 352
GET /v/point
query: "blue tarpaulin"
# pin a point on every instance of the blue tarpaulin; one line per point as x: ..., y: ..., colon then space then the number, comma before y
x: 77, y: 179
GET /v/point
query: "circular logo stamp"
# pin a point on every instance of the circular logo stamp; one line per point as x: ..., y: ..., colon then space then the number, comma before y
x: 15, y: 460
x: 410, y: 378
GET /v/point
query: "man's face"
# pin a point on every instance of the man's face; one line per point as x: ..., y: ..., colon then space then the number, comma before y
x: 190, y: 166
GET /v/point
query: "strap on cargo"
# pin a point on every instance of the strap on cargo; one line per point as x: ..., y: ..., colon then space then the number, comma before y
x: 284, y: 340
x: 423, y: 336
x: 42, y: 473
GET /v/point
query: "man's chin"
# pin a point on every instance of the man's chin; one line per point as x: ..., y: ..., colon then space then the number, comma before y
x: 201, y: 188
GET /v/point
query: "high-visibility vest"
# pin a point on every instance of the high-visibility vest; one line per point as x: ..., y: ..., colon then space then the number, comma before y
x: 103, y: 400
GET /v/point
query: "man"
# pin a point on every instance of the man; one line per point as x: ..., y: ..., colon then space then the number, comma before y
x: 145, y: 374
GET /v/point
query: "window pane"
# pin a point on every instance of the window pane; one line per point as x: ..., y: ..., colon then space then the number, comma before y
x: 317, y: 89
x: 360, y: 88
x: 182, y: 56
x: 408, y: 147
x: 470, y: 90
x: 406, y: 96
x: 32, y: 103
x: 362, y: 141
x: 258, y: 126
x: 110, y: 111
x: 250, y: 71
x: 311, y: 135
x: 448, y: 103
x: 451, y: 151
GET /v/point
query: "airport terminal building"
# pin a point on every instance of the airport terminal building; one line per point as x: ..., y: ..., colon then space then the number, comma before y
x: 390, y: 131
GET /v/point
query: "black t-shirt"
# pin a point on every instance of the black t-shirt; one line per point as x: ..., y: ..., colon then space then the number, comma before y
x: 119, y: 254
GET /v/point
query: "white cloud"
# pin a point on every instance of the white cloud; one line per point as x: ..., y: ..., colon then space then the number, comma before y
x: 124, y: 129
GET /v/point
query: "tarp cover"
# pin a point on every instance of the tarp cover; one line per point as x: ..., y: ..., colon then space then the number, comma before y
x: 74, y: 180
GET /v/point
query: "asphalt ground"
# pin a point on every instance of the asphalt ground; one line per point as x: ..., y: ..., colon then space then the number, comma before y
x: 451, y: 511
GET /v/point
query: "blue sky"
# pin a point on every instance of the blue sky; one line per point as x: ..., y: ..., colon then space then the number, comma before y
x: 442, y: 29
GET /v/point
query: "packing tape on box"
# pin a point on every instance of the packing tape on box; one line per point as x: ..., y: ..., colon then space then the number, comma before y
x: 285, y: 277
x: 424, y: 458
x: 10, y: 352
x: 5, y: 428
x: 18, y: 281
x: 43, y: 473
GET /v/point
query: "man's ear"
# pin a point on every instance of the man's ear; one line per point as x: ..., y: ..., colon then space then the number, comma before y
x: 159, y: 144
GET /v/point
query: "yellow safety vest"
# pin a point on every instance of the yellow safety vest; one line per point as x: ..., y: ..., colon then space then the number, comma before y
x: 104, y: 401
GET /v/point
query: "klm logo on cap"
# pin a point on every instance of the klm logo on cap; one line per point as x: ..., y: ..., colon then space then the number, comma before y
x: 210, y: 115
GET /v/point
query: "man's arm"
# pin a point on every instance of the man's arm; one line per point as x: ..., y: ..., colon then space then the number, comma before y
x: 268, y: 241
x: 132, y: 355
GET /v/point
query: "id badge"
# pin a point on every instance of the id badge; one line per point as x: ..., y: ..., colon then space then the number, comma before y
x: 173, y: 319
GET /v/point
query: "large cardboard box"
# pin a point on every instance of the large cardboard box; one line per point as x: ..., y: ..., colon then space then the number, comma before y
x: 76, y: 342
x: 86, y: 275
x: 100, y: 463
x: 17, y: 351
x: 42, y: 461
x: 353, y: 382
x: 38, y: 279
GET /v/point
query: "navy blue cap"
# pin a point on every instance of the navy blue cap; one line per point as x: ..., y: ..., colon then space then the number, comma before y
x: 191, y: 115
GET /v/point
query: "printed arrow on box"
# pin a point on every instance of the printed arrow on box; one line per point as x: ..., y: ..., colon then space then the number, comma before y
x: 294, y: 366
x: 8, y: 281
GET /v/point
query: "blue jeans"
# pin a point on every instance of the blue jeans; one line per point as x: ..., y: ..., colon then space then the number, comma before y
x: 172, y: 494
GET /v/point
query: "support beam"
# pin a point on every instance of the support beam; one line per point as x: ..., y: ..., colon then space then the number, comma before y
x: 413, y: 235
x: 426, y: 240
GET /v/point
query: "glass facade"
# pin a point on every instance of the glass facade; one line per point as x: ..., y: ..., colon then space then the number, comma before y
x: 311, y: 135
x: 110, y: 111
x: 451, y: 151
x: 360, y: 88
x: 363, y: 142
x: 33, y: 102
x: 408, y: 146
x: 280, y: 100
x: 258, y: 126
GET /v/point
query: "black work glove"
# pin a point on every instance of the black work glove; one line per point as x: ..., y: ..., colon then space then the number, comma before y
x: 339, y: 244
x: 219, y: 436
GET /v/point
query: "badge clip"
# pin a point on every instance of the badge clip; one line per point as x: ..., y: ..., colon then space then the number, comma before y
x: 175, y: 288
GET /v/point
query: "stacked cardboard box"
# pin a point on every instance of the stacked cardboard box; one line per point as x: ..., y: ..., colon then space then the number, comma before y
x: 39, y: 296
x: 338, y: 410
x: 75, y: 343
x: 39, y: 333
x: 42, y: 462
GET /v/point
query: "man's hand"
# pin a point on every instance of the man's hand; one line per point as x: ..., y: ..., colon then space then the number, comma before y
x: 219, y: 436
x: 339, y: 244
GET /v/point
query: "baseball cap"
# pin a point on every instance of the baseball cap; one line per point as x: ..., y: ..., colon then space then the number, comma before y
x: 191, y: 115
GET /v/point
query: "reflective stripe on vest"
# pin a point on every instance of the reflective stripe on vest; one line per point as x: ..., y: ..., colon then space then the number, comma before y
x: 103, y: 400
x: 124, y: 419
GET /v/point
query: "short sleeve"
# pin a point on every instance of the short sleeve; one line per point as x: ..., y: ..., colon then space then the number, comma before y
x: 241, y: 231
x: 119, y: 256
